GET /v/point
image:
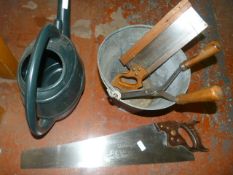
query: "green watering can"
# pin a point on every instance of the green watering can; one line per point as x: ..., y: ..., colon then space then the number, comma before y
x: 51, y: 74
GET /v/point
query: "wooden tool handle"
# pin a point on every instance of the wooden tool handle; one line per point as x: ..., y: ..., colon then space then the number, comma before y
x: 213, y: 93
x: 130, y: 75
x: 127, y: 85
x: 210, y: 49
x: 137, y: 74
x: 165, y: 22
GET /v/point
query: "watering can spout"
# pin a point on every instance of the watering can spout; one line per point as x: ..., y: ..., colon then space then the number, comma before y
x: 63, y: 17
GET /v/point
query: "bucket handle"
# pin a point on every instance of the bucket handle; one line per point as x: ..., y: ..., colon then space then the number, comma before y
x: 38, y: 127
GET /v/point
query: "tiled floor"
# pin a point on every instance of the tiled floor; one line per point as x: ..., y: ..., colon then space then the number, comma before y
x: 20, y: 22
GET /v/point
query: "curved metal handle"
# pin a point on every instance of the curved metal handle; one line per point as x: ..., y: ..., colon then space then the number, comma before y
x: 41, y: 126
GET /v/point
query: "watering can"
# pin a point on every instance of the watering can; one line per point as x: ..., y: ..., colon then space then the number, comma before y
x: 50, y: 74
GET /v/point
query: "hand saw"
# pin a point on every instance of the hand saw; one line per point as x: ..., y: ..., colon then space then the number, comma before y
x: 172, y: 32
x: 154, y: 143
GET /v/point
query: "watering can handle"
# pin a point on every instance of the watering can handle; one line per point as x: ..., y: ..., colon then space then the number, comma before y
x: 38, y: 127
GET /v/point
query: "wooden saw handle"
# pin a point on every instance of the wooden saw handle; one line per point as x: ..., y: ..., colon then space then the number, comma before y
x: 210, y: 49
x: 124, y: 81
x: 213, y: 93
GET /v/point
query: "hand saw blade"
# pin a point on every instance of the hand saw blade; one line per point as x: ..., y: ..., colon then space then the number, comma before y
x: 147, y: 144
x: 176, y: 36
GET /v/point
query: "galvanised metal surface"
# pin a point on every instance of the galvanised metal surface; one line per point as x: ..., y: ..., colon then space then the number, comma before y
x: 95, y: 116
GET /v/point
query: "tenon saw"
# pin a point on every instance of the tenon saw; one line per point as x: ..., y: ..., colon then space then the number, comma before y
x: 154, y: 143
x: 169, y: 35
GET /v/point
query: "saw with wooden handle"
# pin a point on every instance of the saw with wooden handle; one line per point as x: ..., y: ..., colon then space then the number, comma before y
x: 154, y: 143
x: 168, y: 36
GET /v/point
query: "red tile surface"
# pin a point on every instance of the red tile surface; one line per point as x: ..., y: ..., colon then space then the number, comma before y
x: 94, y: 115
